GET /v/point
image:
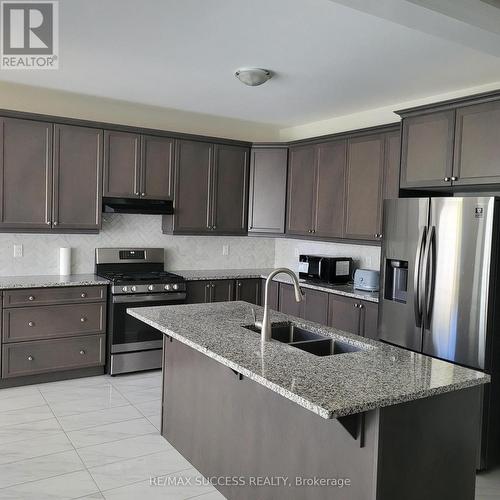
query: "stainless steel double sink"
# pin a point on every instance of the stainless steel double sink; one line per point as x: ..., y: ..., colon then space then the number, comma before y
x: 312, y: 342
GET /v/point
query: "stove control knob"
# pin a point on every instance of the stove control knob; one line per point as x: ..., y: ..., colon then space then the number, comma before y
x: 151, y: 288
x: 134, y: 288
x: 176, y: 287
x: 167, y: 288
x: 125, y: 289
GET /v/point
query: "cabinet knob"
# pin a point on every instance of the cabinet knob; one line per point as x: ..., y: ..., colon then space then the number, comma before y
x: 48, y: 223
x: 239, y: 283
x: 454, y: 178
x: 143, y: 194
x: 137, y: 193
x: 55, y: 223
x: 83, y: 295
x: 360, y: 306
x: 83, y: 319
x: 30, y: 358
x: 31, y: 297
x: 31, y: 324
x: 213, y: 286
x: 447, y: 179
x: 82, y: 352
x: 213, y: 227
x: 208, y: 286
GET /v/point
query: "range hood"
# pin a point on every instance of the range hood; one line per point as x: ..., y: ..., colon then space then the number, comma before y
x: 137, y: 206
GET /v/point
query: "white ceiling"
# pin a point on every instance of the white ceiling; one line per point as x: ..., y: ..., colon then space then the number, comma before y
x: 330, y: 60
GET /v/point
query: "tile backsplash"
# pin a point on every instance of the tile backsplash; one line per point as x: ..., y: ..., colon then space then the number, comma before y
x: 287, y: 252
x: 41, y: 251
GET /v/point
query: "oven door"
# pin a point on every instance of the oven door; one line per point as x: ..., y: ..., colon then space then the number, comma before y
x: 128, y: 334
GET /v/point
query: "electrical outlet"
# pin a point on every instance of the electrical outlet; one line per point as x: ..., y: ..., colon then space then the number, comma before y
x: 225, y: 250
x: 18, y: 250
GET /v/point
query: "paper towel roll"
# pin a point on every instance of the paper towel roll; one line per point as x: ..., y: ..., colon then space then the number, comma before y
x: 65, y: 261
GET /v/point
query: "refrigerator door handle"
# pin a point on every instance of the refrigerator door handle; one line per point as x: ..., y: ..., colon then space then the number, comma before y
x: 429, y: 266
x: 417, y: 278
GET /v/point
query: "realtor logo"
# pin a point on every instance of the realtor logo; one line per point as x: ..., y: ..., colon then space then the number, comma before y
x: 29, y: 35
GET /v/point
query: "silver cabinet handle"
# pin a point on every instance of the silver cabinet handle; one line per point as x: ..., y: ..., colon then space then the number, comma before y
x: 83, y: 319
x: 447, y: 179
x: 31, y: 324
x: 82, y: 352
x: 83, y: 295
x: 143, y: 194
x: 31, y: 297
x: 30, y: 358
x: 454, y: 178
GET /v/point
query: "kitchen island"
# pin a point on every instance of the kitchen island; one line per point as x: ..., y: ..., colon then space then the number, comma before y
x: 273, y: 422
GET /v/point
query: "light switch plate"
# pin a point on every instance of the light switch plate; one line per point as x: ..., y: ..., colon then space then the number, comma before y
x: 225, y: 249
x: 18, y: 250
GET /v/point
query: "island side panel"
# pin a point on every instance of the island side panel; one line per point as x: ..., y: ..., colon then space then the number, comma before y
x: 428, y: 447
x: 226, y: 425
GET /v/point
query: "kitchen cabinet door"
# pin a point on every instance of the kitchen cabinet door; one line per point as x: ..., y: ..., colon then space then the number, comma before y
x: 221, y: 290
x: 300, y: 200
x: 77, y: 178
x: 315, y: 306
x: 121, y: 164
x: 287, y: 303
x: 344, y: 314
x: 427, y: 150
x: 267, y: 191
x: 193, y: 177
x: 477, y: 145
x: 273, y: 294
x: 157, y: 164
x: 391, y: 165
x: 197, y: 292
x: 248, y: 290
x: 329, y: 189
x: 26, y: 167
x: 229, y: 189
x: 370, y: 319
x: 364, y: 187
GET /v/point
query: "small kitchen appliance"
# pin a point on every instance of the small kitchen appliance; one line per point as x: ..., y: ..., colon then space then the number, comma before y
x: 366, y: 279
x: 331, y: 270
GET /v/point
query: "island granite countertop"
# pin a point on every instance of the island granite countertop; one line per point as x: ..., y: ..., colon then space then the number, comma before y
x: 50, y: 281
x: 331, y: 386
x: 233, y: 274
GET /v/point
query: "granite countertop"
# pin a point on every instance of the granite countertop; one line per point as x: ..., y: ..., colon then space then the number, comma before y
x: 219, y: 274
x: 330, y: 386
x: 8, y: 282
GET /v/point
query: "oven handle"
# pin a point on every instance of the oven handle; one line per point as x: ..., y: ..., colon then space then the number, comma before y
x: 152, y: 297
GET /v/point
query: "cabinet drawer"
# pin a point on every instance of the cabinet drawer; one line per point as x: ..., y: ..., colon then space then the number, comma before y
x: 57, y: 295
x: 32, y: 323
x: 29, y: 358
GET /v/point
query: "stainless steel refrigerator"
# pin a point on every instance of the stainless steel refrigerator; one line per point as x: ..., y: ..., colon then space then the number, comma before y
x: 438, y: 291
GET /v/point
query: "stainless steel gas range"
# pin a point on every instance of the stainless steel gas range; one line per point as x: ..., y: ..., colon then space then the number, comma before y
x: 137, y: 279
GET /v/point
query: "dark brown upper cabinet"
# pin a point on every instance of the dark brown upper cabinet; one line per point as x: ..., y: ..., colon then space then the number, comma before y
x: 477, y: 145
x: 211, y: 184
x: 316, y: 189
x: 122, y: 156
x: 26, y: 175
x: 267, y: 190
x: 77, y: 178
x: 51, y: 177
x: 157, y: 167
x: 230, y: 189
x: 300, y: 190
x: 138, y: 166
x: 390, y: 188
x: 363, y: 192
x: 427, y: 150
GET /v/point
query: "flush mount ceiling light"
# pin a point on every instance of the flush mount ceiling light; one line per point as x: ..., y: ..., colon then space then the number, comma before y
x: 253, y: 76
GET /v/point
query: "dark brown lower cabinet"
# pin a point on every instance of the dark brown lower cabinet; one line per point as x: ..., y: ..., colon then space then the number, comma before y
x: 199, y: 292
x: 248, y: 290
x: 314, y: 305
x: 353, y: 315
x: 47, y: 330
x: 273, y: 294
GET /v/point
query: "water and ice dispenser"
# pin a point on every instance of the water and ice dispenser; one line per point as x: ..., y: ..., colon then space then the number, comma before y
x: 396, y: 280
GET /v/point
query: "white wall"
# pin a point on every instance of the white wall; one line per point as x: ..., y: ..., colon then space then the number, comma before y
x: 41, y: 251
x: 287, y: 252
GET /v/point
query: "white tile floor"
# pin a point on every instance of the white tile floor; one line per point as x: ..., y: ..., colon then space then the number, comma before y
x: 98, y: 437
x: 90, y: 438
